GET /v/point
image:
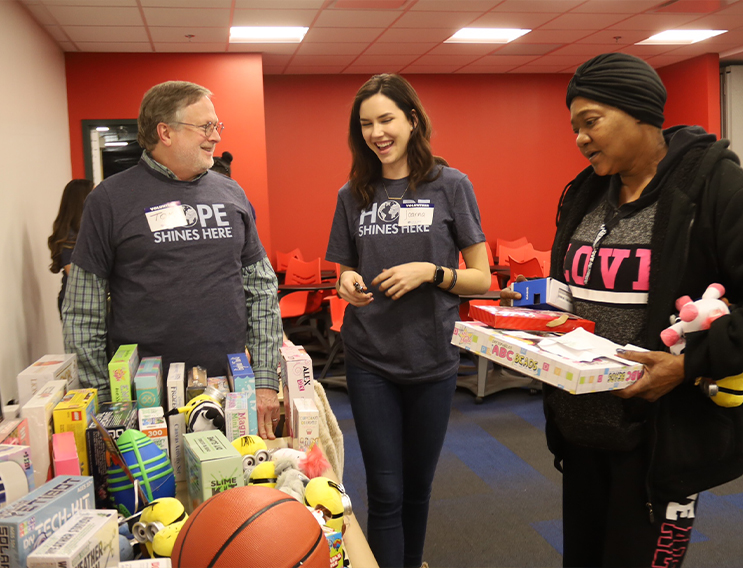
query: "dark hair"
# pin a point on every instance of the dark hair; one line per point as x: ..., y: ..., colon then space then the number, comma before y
x: 68, y: 219
x: 365, y: 166
x: 222, y: 164
x: 164, y: 103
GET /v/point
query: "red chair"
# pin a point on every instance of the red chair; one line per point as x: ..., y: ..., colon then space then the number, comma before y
x: 300, y: 273
x: 283, y: 258
x: 337, y: 312
x: 491, y: 261
x: 531, y: 268
x: 499, y: 243
x: 544, y: 258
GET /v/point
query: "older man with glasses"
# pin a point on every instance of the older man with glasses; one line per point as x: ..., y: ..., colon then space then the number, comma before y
x: 177, y: 248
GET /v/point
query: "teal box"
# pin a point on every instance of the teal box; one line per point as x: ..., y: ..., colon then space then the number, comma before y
x: 29, y: 521
x: 149, y: 382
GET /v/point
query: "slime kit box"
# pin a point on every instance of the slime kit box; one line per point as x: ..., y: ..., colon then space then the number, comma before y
x: 537, y: 356
x: 47, y: 368
x: 26, y: 523
x: 214, y: 465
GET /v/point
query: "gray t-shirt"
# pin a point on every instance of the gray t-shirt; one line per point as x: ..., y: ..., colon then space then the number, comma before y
x: 405, y: 340
x: 175, y: 292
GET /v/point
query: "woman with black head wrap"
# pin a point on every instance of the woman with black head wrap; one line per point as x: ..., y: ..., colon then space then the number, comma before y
x: 658, y: 214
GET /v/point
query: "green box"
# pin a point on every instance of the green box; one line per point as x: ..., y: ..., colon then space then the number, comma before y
x: 214, y: 465
x: 121, y: 371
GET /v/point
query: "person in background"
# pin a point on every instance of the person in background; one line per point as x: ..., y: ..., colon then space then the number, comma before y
x: 65, y: 229
x: 178, y: 249
x: 658, y: 214
x: 223, y: 165
x: 399, y: 273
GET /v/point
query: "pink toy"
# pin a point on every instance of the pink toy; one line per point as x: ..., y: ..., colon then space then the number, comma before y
x: 694, y: 316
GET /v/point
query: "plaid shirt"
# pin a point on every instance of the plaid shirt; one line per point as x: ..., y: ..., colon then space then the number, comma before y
x: 84, y: 320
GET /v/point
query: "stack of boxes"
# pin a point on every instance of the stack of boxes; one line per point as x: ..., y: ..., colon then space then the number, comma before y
x: 300, y: 410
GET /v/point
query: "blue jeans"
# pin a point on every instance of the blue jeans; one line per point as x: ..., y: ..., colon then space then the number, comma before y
x: 401, y: 431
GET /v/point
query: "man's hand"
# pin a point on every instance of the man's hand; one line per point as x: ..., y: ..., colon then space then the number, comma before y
x: 397, y: 281
x: 662, y: 373
x: 267, y: 402
x: 507, y: 295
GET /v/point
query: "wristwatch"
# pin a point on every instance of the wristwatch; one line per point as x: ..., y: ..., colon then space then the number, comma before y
x: 438, y: 276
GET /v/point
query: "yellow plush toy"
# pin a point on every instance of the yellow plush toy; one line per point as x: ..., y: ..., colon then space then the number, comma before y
x: 323, y: 493
x: 159, y: 524
x: 263, y: 474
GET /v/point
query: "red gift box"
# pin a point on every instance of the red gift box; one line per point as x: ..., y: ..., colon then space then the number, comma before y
x: 525, y: 319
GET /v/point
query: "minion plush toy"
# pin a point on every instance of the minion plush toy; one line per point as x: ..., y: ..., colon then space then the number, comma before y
x: 254, y: 452
x: 158, y: 526
x: 263, y: 474
x: 323, y: 493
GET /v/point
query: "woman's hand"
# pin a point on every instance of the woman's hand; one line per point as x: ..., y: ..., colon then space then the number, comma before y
x: 397, y: 281
x: 507, y: 295
x: 663, y: 372
x: 351, y: 288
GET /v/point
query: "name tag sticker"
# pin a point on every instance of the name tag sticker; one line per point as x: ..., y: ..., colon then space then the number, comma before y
x: 415, y: 214
x: 166, y: 216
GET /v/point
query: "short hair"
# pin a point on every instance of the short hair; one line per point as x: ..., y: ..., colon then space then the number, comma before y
x: 163, y: 103
x: 365, y: 166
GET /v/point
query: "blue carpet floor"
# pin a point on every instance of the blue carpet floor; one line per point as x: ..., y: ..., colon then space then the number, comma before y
x: 497, y: 498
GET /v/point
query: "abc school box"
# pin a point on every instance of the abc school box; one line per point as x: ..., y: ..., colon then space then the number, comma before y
x: 26, y: 523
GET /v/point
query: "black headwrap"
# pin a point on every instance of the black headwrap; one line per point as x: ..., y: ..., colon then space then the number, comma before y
x: 622, y: 81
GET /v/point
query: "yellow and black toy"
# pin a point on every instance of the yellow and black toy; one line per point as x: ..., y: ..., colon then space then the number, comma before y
x: 263, y: 474
x: 203, y: 412
x: 158, y: 526
x: 323, y: 493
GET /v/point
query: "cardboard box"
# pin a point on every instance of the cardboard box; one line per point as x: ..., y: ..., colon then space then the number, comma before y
x: 16, y: 473
x: 176, y: 386
x: 148, y: 382
x: 116, y: 418
x: 297, y: 377
x: 64, y: 454
x: 544, y: 294
x: 48, y: 368
x: 214, y: 465
x: 176, y: 431
x: 305, y: 424
x: 520, y: 351
x: 152, y: 424
x: 121, y: 371
x: 25, y: 524
x: 15, y: 432
x: 89, y: 539
x: 73, y: 414
x: 242, y: 379
x: 38, y: 413
x: 528, y: 320
x: 236, y: 415
x: 148, y: 563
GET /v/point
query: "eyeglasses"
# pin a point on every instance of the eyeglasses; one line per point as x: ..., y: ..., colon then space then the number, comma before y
x: 209, y: 127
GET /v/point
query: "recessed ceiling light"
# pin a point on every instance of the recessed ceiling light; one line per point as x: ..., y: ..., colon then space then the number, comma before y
x: 486, y: 35
x: 680, y: 37
x: 117, y: 143
x: 258, y: 34
x: 102, y: 128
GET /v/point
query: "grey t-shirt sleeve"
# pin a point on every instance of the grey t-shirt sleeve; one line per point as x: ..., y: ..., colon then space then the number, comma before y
x: 466, y: 228
x: 342, y: 245
x: 94, y: 249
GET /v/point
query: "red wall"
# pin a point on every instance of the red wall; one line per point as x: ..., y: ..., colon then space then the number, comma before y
x: 111, y: 86
x: 510, y: 133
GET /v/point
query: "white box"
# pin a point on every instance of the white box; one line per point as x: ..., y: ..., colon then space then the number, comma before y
x: 176, y: 386
x: 48, y: 368
x: 237, y: 415
x: 38, y: 412
x: 297, y: 376
x: 153, y: 425
x: 148, y: 563
x: 519, y: 350
x: 176, y: 430
x: 89, y: 539
x: 305, y: 423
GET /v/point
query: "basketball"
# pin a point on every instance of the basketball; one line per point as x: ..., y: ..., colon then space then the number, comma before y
x: 251, y: 527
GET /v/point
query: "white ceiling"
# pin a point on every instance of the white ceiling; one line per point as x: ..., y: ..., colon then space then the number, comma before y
x: 402, y: 36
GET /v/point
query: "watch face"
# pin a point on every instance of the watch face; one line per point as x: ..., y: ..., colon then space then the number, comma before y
x: 439, y: 277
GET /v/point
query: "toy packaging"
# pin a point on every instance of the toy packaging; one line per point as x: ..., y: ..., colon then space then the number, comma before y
x: 16, y: 473
x: 296, y: 373
x: 89, y: 539
x: 176, y: 386
x: 64, y: 454
x: 48, y: 368
x: 528, y: 320
x: 335, y: 544
x: 214, y: 465
x: 121, y: 371
x: 242, y: 379
x: 148, y: 563
x: 152, y: 424
x: 116, y: 418
x: 28, y: 522
x: 544, y: 294
x: 73, y: 414
x: 220, y: 383
x: 236, y: 415
x: 305, y: 423
x: 196, y: 382
x: 528, y: 354
x: 38, y: 413
x: 176, y: 430
x: 148, y: 382
x: 15, y: 431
